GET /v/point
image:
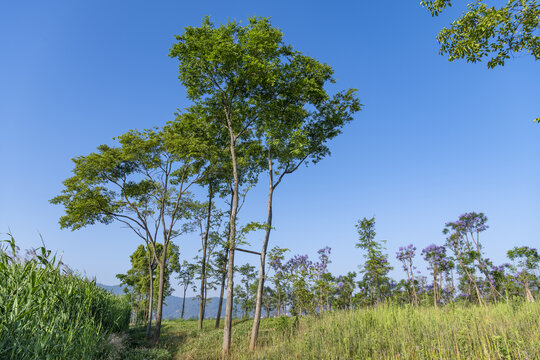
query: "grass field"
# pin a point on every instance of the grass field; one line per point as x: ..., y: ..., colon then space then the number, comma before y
x: 503, y: 331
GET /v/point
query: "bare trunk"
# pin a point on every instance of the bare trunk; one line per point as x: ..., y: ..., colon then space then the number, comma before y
x: 203, y: 264
x: 224, y: 274
x: 159, y: 312
x: 150, y: 299
x: 183, y: 302
x: 260, y: 287
x: 472, y: 280
x: 220, y: 305
x: 434, y: 287
x: 226, y: 350
x: 415, y: 297
x: 494, y: 292
x: 528, y: 294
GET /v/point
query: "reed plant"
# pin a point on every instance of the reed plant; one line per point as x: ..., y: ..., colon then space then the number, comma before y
x: 48, y: 312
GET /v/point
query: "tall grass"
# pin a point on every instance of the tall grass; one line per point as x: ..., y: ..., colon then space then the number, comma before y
x: 49, y: 313
x: 503, y: 331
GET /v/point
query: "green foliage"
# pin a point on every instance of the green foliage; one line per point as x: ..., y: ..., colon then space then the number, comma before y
x: 488, y: 31
x: 376, y: 267
x: 137, y: 279
x: 47, y: 312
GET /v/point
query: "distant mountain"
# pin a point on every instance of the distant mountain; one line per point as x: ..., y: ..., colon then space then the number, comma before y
x: 115, y: 289
x: 172, y: 308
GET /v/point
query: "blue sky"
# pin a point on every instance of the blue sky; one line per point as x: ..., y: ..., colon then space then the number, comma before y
x: 435, y: 138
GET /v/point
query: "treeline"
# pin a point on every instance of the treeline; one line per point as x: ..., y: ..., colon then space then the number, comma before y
x: 48, y: 312
x: 459, y: 272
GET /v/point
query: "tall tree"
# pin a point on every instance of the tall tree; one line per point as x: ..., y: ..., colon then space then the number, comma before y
x: 227, y: 71
x: 141, y: 183
x: 298, y: 118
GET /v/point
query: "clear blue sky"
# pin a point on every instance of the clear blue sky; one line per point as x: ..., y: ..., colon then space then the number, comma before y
x: 435, y: 139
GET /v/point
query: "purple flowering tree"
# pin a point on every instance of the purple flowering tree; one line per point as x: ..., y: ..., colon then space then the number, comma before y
x: 468, y: 227
x: 436, y: 258
x: 323, y: 280
x: 301, y: 272
x: 405, y: 254
x: 276, y: 257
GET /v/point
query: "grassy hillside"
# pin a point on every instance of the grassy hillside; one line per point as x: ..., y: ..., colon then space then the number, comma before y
x: 503, y: 331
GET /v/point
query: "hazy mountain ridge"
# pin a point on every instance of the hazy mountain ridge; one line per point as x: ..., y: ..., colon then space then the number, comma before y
x: 172, y: 308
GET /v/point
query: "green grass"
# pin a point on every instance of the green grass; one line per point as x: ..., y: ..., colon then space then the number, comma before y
x: 503, y: 331
x: 46, y: 313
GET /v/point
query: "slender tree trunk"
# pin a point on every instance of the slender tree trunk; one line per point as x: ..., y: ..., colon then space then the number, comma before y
x: 279, y: 302
x: 150, y: 299
x: 183, y: 302
x: 226, y: 350
x: 494, y: 291
x: 159, y: 312
x: 415, y: 297
x: 203, y: 264
x: 528, y: 294
x: 224, y: 273
x: 260, y: 287
x: 220, y: 305
x: 434, y: 287
x: 472, y: 280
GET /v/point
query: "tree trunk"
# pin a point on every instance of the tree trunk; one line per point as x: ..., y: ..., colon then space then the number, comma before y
x: 220, y: 305
x: 226, y: 350
x: 203, y: 265
x: 183, y: 302
x: 224, y: 274
x: 528, y: 295
x: 150, y: 298
x: 260, y: 287
x: 434, y: 287
x: 159, y: 312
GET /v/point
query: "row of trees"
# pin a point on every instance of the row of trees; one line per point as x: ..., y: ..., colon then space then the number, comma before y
x: 258, y: 107
x: 458, y: 272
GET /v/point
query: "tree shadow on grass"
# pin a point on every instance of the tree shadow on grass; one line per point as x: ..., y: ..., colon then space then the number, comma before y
x: 240, y: 321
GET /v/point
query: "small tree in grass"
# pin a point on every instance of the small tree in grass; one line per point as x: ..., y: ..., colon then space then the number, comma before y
x: 376, y: 267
